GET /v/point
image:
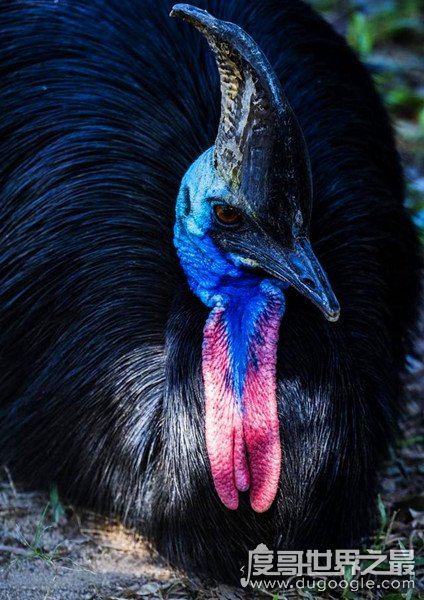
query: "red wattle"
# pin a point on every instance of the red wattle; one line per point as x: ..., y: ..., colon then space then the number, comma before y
x: 242, y: 434
x: 221, y: 422
x: 261, y: 425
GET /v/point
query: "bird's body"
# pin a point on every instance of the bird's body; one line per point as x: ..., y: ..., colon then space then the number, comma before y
x: 104, y: 107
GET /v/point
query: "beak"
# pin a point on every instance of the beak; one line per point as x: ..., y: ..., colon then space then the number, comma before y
x: 301, y: 269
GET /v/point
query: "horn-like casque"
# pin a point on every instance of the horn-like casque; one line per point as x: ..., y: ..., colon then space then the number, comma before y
x: 259, y: 150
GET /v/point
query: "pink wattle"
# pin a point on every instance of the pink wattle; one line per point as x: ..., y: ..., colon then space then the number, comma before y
x: 242, y: 435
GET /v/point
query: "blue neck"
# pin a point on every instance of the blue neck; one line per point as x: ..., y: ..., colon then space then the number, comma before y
x: 219, y: 283
x: 210, y: 275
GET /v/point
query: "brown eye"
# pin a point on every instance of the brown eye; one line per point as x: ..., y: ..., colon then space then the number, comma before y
x: 227, y: 215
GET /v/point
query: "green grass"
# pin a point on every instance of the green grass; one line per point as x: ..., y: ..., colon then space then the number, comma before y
x: 35, y: 545
x: 56, y: 506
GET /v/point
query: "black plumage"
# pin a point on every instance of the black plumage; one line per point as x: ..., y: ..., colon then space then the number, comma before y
x: 104, y: 105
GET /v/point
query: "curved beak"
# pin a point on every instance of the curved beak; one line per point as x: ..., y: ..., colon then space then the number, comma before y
x: 299, y: 268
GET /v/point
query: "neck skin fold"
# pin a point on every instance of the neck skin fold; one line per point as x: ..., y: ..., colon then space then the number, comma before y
x: 239, y: 358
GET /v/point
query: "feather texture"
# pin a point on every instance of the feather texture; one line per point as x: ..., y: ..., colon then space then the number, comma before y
x: 104, y: 106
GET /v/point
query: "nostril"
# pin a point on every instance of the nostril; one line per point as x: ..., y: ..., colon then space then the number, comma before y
x: 309, y: 282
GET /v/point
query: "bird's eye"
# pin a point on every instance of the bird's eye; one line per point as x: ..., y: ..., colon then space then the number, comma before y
x: 227, y: 215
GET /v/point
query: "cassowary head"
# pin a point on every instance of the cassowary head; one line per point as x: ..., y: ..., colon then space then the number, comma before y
x: 242, y: 225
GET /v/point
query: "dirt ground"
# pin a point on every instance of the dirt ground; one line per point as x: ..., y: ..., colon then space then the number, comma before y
x: 80, y: 557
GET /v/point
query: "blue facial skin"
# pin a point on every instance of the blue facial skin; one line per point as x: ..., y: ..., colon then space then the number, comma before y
x: 206, y: 267
x: 217, y: 278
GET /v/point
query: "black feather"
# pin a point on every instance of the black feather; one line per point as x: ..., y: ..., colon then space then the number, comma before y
x: 104, y: 105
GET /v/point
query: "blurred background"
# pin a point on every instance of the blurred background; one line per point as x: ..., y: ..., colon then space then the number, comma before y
x: 389, y: 37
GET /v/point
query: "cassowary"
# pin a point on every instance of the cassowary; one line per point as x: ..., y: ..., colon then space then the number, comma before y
x: 173, y: 268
